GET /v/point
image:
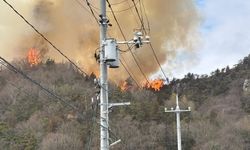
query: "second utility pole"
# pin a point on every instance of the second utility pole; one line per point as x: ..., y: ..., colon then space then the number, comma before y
x: 178, y: 112
x: 104, y: 132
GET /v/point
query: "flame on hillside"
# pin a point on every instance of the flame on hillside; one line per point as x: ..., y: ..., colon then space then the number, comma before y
x: 156, y: 84
x: 33, y: 57
x: 124, y: 86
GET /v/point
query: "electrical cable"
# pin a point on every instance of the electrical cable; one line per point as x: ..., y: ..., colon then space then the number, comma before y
x: 117, y: 3
x: 137, y: 63
x: 14, y: 69
x: 39, y: 33
x: 133, y: 14
x: 140, y: 4
x: 130, y: 47
x: 154, y: 53
x: 158, y: 62
x: 138, y: 14
x: 90, y: 12
x: 117, y: 11
x: 146, y: 16
x: 128, y: 71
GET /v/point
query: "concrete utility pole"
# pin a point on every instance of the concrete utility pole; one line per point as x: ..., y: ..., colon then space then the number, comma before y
x: 178, y: 111
x: 104, y: 143
x: 109, y: 57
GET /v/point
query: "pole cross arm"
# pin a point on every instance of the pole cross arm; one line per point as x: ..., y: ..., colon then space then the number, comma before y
x: 178, y: 110
x: 131, y: 42
x: 110, y: 105
x: 116, y: 142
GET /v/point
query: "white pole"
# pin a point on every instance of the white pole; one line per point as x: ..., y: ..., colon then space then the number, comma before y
x: 104, y: 133
x: 178, y: 112
x: 178, y: 125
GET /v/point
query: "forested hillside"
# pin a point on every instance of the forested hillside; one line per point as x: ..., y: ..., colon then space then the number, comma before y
x: 31, y: 119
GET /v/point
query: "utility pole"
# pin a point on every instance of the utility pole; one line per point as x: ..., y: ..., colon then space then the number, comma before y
x: 178, y: 111
x: 109, y: 57
x: 104, y: 136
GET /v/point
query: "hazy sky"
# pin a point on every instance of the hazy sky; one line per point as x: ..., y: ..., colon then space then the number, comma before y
x: 225, y: 36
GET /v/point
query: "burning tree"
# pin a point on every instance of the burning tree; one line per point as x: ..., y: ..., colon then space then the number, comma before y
x: 156, y: 84
x: 33, y: 57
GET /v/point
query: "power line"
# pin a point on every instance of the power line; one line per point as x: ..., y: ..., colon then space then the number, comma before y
x: 153, y: 50
x: 158, y: 62
x: 90, y: 12
x: 14, y: 69
x: 123, y: 64
x: 137, y: 11
x: 39, y: 33
x: 123, y: 35
x: 146, y: 16
x: 133, y: 14
x: 117, y: 3
x: 117, y: 11
x: 25, y: 91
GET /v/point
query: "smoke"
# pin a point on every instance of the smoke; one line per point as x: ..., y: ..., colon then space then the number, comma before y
x: 173, y: 26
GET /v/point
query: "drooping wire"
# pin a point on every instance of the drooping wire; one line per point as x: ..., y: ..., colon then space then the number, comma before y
x: 133, y: 14
x: 142, y: 17
x: 24, y: 91
x: 158, y: 62
x: 146, y: 16
x: 138, y: 14
x: 128, y: 49
x: 90, y: 12
x: 123, y: 35
x: 39, y: 33
x: 117, y: 3
x: 14, y: 69
x: 151, y: 47
x: 130, y: 74
x: 117, y: 11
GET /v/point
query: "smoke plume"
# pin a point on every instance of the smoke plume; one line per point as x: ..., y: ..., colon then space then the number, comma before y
x: 173, y: 26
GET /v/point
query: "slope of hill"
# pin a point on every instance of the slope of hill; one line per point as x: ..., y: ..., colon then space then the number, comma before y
x: 31, y: 119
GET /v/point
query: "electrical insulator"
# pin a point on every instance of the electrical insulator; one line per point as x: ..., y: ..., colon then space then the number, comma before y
x: 111, y: 50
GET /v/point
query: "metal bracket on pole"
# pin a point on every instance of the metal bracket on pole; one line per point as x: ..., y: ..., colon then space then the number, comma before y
x: 110, y: 105
x: 138, y: 40
x: 114, y: 143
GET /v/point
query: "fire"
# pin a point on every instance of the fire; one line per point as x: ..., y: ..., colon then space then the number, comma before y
x: 124, y: 86
x: 156, y: 84
x: 33, y: 57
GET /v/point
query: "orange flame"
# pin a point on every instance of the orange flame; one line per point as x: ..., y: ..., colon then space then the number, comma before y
x: 156, y: 84
x: 33, y: 57
x: 124, y: 86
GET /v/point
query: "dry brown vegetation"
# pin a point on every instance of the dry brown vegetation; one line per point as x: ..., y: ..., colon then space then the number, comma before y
x: 30, y: 119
